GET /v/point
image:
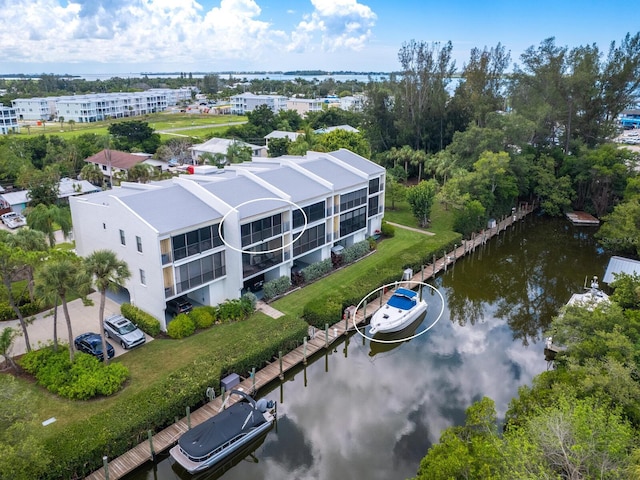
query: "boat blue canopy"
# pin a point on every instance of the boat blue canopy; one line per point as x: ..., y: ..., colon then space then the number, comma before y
x: 403, y: 298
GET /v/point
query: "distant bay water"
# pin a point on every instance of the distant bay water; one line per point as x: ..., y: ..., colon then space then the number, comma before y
x: 361, y: 77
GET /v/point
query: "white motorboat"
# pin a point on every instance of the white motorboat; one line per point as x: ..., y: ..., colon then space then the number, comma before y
x: 401, y: 309
x: 226, y: 433
x: 591, y: 298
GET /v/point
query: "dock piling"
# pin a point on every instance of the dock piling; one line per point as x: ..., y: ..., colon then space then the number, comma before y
x: 105, y: 463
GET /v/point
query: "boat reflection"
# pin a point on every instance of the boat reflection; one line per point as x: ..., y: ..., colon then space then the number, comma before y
x: 396, y: 338
x: 246, y: 453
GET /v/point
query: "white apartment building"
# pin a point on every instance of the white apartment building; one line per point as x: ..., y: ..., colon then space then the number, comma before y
x: 210, y: 237
x: 8, y: 120
x: 305, y: 105
x: 99, y: 106
x: 243, y: 103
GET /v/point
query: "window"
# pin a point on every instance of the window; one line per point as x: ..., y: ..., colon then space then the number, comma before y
x: 309, y: 239
x: 139, y: 243
x: 200, y: 271
x: 373, y: 205
x: 196, y: 241
x: 374, y: 186
x: 143, y: 277
x: 353, y: 199
x: 353, y: 221
x: 122, y: 240
x: 313, y: 212
x: 260, y: 230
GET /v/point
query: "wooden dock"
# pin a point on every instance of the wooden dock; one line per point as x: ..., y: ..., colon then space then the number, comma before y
x: 278, y: 367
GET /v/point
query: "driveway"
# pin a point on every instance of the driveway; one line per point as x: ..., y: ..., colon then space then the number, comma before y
x: 83, y: 319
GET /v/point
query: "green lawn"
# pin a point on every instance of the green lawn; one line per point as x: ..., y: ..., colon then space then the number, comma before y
x: 157, y: 121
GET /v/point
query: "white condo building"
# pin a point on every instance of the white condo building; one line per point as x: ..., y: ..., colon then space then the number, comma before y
x: 210, y: 237
x: 99, y: 106
x: 8, y: 120
x: 243, y: 103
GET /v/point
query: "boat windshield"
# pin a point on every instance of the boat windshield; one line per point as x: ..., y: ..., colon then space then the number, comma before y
x: 401, y: 301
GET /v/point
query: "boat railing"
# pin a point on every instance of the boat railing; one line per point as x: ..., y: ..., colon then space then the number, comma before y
x: 219, y: 449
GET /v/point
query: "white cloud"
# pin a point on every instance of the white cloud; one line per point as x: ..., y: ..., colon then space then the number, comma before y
x: 339, y: 24
x: 166, y: 32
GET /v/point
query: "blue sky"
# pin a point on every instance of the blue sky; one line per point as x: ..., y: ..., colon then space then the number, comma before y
x: 130, y: 36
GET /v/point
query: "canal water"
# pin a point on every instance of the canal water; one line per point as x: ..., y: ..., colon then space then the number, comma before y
x: 371, y: 411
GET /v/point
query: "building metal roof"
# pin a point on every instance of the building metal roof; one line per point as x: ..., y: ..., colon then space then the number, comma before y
x: 358, y: 162
x: 339, y: 176
x: 171, y: 208
x: 245, y: 194
x: 299, y: 186
x: 619, y: 265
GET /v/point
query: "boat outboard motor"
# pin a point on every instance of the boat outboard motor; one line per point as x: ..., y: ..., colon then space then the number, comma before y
x: 263, y: 405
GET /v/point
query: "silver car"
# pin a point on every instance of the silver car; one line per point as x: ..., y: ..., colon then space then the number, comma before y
x: 121, y: 329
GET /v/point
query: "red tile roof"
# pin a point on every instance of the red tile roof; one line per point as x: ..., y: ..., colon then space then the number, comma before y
x: 122, y: 160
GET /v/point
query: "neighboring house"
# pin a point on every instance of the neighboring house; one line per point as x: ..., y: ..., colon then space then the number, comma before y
x: 219, y: 146
x: 112, y: 162
x: 618, y: 265
x: 630, y: 118
x: 347, y: 128
x: 244, y: 103
x: 100, y: 106
x: 281, y: 134
x: 212, y: 237
x: 305, y: 105
x: 17, y: 200
x: 8, y: 120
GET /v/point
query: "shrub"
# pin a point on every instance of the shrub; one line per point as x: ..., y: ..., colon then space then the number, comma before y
x: 317, y: 270
x: 387, y: 230
x: 252, y: 301
x: 202, y: 317
x: 6, y: 312
x: 231, y: 310
x: 355, y: 251
x: 145, y: 322
x: 181, y: 326
x: 83, y: 379
x: 276, y: 287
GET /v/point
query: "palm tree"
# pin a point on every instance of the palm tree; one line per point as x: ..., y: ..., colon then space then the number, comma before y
x: 13, y: 261
x: 109, y: 273
x: 64, y: 274
x: 45, y: 217
x: 30, y: 240
x: 92, y: 173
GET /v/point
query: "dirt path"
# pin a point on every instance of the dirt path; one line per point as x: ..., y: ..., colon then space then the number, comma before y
x: 411, y: 228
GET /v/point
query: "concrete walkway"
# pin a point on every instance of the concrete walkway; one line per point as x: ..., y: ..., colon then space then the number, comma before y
x: 83, y: 319
x: 411, y: 228
x: 268, y: 310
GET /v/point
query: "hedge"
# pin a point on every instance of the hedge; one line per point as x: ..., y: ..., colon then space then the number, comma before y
x: 182, y: 326
x: 143, y: 320
x: 276, y: 287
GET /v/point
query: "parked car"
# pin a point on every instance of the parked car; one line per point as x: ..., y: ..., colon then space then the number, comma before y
x: 121, y: 329
x: 13, y: 220
x: 91, y: 343
x: 179, y: 305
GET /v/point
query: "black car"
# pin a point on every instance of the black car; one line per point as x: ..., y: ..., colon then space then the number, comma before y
x: 179, y: 305
x: 91, y: 343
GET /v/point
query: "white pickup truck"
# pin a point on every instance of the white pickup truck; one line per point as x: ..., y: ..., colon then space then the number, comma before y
x: 13, y: 220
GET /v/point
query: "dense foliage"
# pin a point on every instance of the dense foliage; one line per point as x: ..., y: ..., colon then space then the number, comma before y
x: 82, y: 379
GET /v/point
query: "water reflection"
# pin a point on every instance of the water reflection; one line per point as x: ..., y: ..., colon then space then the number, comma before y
x: 364, y: 413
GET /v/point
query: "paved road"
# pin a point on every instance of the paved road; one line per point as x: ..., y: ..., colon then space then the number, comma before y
x: 83, y: 319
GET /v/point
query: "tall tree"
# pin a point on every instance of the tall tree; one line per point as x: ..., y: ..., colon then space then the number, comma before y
x: 34, y: 241
x: 421, y: 198
x: 93, y: 174
x: 60, y: 277
x: 483, y: 81
x: 13, y: 261
x: 422, y: 97
x: 134, y: 135
x: 109, y: 273
x: 378, y: 116
x: 43, y: 185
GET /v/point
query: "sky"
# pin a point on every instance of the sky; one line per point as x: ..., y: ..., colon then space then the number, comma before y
x: 132, y: 36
